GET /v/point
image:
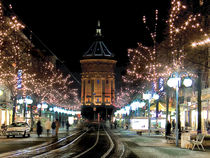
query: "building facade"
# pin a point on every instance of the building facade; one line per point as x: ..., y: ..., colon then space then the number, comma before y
x: 98, y: 80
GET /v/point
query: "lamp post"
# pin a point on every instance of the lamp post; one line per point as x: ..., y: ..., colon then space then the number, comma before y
x: 149, y: 96
x: 39, y: 106
x: 175, y: 81
x: 25, y: 102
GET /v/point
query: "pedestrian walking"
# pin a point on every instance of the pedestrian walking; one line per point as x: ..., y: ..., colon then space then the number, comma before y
x: 67, y: 126
x: 168, y: 128
x: 53, y: 126
x: 39, y: 128
x: 110, y: 124
x: 173, y: 125
x: 62, y: 124
x: 115, y: 124
x: 57, y: 124
x: 48, y: 127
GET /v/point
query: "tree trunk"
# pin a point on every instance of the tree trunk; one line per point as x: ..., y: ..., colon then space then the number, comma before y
x: 14, y: 109
x: 167, y: 106
x: 157, y: 110
x: 179, y: 121
x: 32, y: 121
x: 199, y: 85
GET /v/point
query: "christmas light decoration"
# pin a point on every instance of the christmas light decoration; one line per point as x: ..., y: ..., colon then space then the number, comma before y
x: 144, y: 63
x: 201, y: 43
x: 43, y: 81
x: 182, y: 22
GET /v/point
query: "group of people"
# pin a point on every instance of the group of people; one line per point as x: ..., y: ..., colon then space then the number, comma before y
x: 54, y: 126
x: 169, y: 126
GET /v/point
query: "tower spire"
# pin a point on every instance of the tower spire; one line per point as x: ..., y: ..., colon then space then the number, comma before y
x: 98, y: 29
x: 98, y: 49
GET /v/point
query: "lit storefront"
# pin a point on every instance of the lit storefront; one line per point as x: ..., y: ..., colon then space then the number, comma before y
x: 189, y: 111
x: 5, y: 107
x: 5, y: 116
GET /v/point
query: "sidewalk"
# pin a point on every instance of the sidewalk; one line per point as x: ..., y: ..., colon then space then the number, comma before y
x: 154, y: 146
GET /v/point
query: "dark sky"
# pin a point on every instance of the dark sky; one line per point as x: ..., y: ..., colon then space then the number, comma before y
x: 67, y: 27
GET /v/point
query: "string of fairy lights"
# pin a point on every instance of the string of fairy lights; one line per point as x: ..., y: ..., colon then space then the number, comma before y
x: 144, y: 64
x: 175, y: 29
x: 142, y: 55
x: 201, y: 43
x: 47, y: 82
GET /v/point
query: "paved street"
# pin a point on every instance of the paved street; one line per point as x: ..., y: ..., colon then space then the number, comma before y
x: 12, y: 144
x: 156, y: 146
x: 18, y: 143
x: 136, y: 146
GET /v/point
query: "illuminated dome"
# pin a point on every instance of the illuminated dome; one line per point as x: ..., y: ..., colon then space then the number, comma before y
x: 98, y: 49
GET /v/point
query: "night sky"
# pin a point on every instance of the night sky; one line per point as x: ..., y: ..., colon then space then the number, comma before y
x: 67, y: 28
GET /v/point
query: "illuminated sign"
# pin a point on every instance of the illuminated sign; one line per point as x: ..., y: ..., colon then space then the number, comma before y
x: 139, y: 124
x: 161, y: 84
x: 19, y: 79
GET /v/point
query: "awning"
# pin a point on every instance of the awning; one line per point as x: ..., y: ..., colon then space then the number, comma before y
x: 162, y: 107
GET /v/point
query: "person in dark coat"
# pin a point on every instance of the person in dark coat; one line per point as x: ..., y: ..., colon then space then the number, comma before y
x: 39, y: 128
x: 53, y: 126
x: 57, y: 124
x: 173, y: 125
x: 115, y: 124
x: 168, y: 128
x: 67, y: 126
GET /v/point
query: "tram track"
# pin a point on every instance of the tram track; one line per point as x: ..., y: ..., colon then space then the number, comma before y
x: 46, y: 147
x: 95, y: 142
x: 101, y: 148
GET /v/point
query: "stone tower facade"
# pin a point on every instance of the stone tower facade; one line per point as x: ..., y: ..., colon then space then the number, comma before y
x: 98, y: 80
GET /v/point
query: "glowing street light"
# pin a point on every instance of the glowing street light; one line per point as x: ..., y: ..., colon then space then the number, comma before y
x: 149, y: 96
x: 1, y: 92
x: 175, y: 82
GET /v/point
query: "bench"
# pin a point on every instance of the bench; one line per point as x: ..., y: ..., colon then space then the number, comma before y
x: 171, y: 138
x: 198, y: 142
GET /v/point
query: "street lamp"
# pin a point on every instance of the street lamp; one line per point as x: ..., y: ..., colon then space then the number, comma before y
x: 175, y: 82
x: 1, y: 92
x: 149, y: 96
x: 136, y: 105
x: 25, y: 101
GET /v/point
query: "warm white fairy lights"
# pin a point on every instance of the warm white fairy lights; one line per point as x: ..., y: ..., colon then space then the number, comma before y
x: 55, y: 88
x: 144, y: 64
x: 178, y: 26
x: 44, y: 81
x: 143, y: 60
x: 201, y: 43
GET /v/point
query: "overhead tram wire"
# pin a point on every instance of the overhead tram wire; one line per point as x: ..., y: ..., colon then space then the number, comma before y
x: 10, y: 10
x: 54, y: 55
